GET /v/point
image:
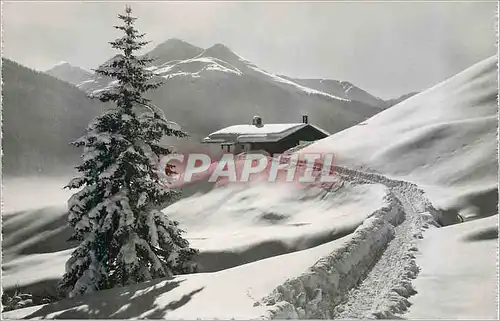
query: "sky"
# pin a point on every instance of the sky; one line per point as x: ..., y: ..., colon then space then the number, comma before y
x: 386, y: 48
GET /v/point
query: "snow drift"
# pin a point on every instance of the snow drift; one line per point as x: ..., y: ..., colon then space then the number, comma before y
x: 231, y: 225
x: 229, y: 293
x: 463, y: 284
x: 444, y: 139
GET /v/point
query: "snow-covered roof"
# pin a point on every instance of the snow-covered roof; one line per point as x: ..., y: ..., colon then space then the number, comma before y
x: 252, y: 129
x: 252, y: 133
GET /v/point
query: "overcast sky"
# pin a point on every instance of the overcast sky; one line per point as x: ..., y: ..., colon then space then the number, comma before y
x: 385, y: 48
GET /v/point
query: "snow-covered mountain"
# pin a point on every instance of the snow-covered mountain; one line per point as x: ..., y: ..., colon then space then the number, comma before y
x: 206, y: 90
x: 343, y: 89
x: 395, y: 101
x: 349, y: 91
x: 69, y: 73
x: 174, y: 49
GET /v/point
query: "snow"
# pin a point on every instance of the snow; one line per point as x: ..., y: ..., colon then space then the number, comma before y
x: 300, y: 87
x: 342, y: 89
x: 458, y: 277
x: 25, y: 193
x: 33, y: 269
x: 242, y: 66
x: 183, y: 74
x: 221, y: 59
x: 90, y: 81
x: 218, y: 89
x: 444, y: 139
x: 159, y: 70
x: 270, y: 250
x: 266, y: 129
x: 266, y: 132
x: 194, y: 67
x: 290, y: 220
x: 314, y: 292
x: 263, y: 213
x: 110, y: 171
x: 217, y: 67
x: 220, y: 295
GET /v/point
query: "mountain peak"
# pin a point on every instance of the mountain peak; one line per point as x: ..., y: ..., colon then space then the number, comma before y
x: 219, y: 48
x: 66, y: 65
x: 69, y: 73
x: 62, y: 63
x: 174, y: 49
x: 222, y: 52
x: 175, y: 42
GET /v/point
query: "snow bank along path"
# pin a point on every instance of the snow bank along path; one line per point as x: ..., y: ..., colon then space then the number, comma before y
x: 369, y: 277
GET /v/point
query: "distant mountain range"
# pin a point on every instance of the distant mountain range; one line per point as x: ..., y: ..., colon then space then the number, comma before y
x: 69, y: 73
x: 175, y: 51
x: 41, y: 115
x: 345, y: 89
x: 204, y: 90
x: 395, y: 101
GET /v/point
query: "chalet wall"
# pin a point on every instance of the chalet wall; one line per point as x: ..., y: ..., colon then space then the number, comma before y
x: 305, y: 134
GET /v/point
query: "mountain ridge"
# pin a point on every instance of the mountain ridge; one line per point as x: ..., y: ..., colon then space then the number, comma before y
x: 218, y: 77
x: 213, y: 89
x: 176, y: 50
x: 173, y: 49
x: 42, y: 115
x: 69, y: 73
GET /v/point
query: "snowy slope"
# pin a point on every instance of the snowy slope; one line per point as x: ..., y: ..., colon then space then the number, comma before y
x: 231, y: 226
x: 444, y: 139
x: 24, y: 193
x: 69, y: 73
x: 397, y: 100
x: 463, y: 285
x: 226, y: 294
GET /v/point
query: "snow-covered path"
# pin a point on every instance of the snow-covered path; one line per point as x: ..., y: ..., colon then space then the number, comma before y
x: 384, y: 291
x: 380, y: 286
x: 367, y: 274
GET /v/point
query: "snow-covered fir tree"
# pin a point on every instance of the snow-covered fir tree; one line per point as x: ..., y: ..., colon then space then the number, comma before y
x: 116, y: 213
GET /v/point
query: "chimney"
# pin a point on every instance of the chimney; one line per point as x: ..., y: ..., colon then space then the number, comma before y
x: 257, y: 121
x: 304, y: 119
